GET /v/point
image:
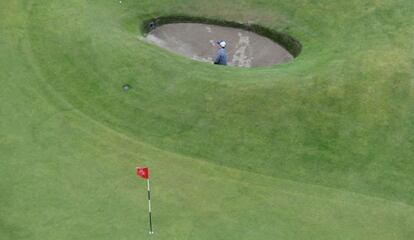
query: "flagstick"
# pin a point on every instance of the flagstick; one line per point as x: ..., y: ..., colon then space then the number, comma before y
x: 149, y: 206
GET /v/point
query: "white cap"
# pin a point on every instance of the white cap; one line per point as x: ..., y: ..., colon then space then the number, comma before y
x: 222, y: 44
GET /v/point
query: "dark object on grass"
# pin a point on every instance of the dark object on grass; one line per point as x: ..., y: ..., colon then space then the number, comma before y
x: 151, y: 25
x: 126, y: 87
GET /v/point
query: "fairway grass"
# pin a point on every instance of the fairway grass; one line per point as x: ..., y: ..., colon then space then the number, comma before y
x: 321, y: 147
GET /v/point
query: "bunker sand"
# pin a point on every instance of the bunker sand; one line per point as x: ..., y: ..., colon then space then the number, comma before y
x: 198, y: 41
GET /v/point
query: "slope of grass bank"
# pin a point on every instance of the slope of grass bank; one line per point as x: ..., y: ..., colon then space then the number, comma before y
x: 318, y: 148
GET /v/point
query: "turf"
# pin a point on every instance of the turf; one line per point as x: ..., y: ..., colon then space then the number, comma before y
x: 318, y: 148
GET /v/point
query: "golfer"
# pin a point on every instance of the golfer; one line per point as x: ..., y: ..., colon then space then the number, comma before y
x: 221, y: 58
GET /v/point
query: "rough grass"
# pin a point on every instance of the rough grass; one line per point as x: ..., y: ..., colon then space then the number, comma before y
x: 318, y: 148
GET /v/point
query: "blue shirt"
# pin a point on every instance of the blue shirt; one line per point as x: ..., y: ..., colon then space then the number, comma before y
x: 221, y: 58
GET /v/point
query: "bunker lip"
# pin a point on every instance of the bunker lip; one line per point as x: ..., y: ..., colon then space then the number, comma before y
x: 249, y: 45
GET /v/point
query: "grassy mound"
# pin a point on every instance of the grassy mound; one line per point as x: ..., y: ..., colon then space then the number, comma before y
x: 318, y: 148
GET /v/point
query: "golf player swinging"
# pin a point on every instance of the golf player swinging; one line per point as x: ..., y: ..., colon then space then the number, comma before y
x: 221, y: 58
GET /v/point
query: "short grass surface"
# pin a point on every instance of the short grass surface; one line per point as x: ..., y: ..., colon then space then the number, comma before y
x: 319, y: 148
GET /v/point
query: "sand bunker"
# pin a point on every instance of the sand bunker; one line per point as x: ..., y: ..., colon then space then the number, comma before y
x: 198, y: 41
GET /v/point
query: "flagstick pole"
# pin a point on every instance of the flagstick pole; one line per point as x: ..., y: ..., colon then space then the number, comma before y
x: 149, y: 206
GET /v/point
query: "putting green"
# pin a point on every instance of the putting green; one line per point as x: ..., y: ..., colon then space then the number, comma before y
x: 320, y: 147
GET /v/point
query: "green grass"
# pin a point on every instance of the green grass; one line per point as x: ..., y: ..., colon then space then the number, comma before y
x: 318, y: 148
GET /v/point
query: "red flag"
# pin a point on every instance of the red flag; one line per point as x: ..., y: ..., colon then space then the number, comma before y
x: 142, y: 172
